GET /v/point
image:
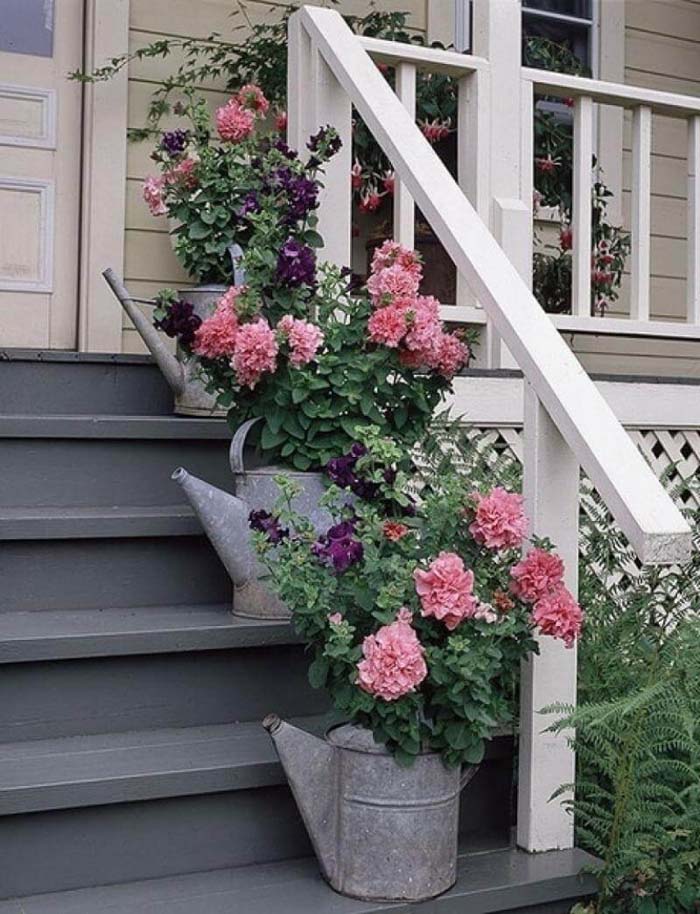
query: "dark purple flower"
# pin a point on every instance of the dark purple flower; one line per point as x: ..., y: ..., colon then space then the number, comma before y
x: 174, y: 142
x: 296, y: 264
x: 268, y: 524
x: 341, y: 471
x: 180, y: 322
x: 250, y: 204
x: 340, y: 546
x: 282, y: 147
x: 326, y: 141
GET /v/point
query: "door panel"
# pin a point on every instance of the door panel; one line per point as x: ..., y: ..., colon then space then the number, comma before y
x: 40, y: 151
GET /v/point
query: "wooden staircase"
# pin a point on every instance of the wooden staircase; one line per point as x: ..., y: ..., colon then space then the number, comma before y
x: 134, y: 774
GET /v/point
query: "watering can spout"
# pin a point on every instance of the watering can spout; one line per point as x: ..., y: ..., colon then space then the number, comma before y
x: 225, y: 521
x: 311, y: 766
x: 173, y: 371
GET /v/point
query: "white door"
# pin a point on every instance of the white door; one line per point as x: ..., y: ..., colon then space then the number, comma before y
x: 41, y: 41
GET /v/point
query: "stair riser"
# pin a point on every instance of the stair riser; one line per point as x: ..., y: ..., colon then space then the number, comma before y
x: 89, y: 472
x: 79, y: 385
x: 54, y: 851
x: 102, y: 695
x: 94, y: 573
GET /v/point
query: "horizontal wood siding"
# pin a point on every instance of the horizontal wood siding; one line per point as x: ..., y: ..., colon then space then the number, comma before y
x: 149, y: 261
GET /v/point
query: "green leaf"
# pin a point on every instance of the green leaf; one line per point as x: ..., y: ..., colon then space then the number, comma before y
x: 313, y: 239
x: 270, y: 440
x: 198, y: 230
x: 318, y: 672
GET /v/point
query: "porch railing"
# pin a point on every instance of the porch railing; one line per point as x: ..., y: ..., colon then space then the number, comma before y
x: 567, y: 423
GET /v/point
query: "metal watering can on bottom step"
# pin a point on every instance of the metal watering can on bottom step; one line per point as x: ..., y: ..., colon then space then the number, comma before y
x: 381, y: 832
x: 224, y: 518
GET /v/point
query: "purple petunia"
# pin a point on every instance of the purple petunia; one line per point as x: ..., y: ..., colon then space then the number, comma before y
x: 180, y: 322
x: 251, y: 204
x: 268, y: 524
x: 340, y: 546
x: 174, y: 142
x: 301, y: 192
x: 296, y: 264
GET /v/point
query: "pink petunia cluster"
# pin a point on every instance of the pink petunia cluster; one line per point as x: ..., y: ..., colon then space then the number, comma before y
x: 234, y: 122
x: 153, y: 195
x: 446, y: 590
x: 536, y: 574
x: 255, y: 352
x: 394, y: 662
x: 215, y: 337
x: 499, y: 521
x: 407, y: 321
x: 559, y: 615
x: 303, y: 337
x: 183, y: 173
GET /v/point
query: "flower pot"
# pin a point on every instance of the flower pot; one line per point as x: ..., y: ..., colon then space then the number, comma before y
x: 225, y: 521
x: 194, y: 400
x: 381, y: 832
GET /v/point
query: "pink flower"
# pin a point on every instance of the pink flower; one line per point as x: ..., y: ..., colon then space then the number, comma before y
x: 446, y: 590
x: 234, y: 122
x: 394, y: 661
x: 153, y: 195
x: 183, y: 173
x: 546, y: 165
x: 255, y: 352
x: 388, y: 182
x: 304, y: 338
x: 335, y: 618
x: 356, y: 175
x: 215, y: 337
x: 387, y: 326
x: 451, y: 355
x: 394, y: 530
x: 392, y: 283
x: 558, y: 614
x: 484, y: 612
x: 425, y: 329
x: 370, y: 200
x: 281, y: 121
x: 499, y: 522
x: 536, y: 574
x: 391, y: 252
x: 435, y: 130
x: 566, y: 238
x: 252, y: 98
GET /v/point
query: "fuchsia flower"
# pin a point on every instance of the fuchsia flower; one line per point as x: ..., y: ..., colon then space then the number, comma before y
x: 387, y: 326
x: 370, y: 200
x: 153, y: 195
x: 281, y: 121
x: 356, y: 175
x: 499, y: 522
x: 389, y: 182
x: 558, y: 615
x: 446, y: 590
x: 216, y: 336
x: 394, y: 662
x: 536, y: 574
x: 252, y: 98
x: 435, y: 130
x: 255, y: 352
x: 304, y: 338
x: 566, y: 238
x: 234, y: 122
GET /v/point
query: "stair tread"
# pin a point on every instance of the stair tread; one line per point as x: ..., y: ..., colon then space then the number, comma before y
x: 61, y: 634
x: 79, y: 522
x: 490, y: 881
x: 108, y: 426
x: 109, y: 768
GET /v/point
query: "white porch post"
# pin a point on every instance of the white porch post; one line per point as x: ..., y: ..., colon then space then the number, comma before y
x: 551, y: 488
x: 497, y: 35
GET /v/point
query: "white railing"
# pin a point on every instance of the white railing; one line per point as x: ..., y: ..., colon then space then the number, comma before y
x: 566, y: 420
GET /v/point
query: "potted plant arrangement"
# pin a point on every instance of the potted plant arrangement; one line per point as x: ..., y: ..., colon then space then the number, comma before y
x: 417, y: 610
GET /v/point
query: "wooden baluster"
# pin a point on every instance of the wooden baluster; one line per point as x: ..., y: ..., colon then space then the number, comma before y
x: 551, y: 489
x: 641, y: 213
x: 694, y: 220
x: 404, y: 209
x: 583, y: 163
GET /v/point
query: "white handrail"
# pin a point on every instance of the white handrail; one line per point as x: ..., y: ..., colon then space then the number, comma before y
x: 647, y: 515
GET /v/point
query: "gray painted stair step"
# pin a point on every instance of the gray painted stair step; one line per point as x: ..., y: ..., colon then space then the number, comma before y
x: 66, y: 634
x: 93, y: 523
x: 489, y: 882
x: 107, y: 768
x: 119, y: 427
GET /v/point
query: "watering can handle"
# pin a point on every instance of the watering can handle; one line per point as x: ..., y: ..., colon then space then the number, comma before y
x: 468, y: 772
x: 235, y: 454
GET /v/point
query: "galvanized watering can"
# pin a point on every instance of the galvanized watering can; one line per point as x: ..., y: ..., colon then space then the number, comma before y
x: 225, y: 521
x: 181, y: 373
x: 381, y: 832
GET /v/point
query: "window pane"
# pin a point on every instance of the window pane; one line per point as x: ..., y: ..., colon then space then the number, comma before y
x: 574, y: 37
x: 579, y: 8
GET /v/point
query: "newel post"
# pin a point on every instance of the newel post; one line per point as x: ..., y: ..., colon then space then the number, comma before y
x: 497, y: 36
x: 551, y: 489
x: 315, y: 99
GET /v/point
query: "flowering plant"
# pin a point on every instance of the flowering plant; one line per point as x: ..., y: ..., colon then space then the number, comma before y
x: 418, y: 609
x: 297, y: 346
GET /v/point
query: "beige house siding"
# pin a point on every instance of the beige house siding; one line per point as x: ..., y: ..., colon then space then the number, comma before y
x: 662, y: 51
x: 149, y: 261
